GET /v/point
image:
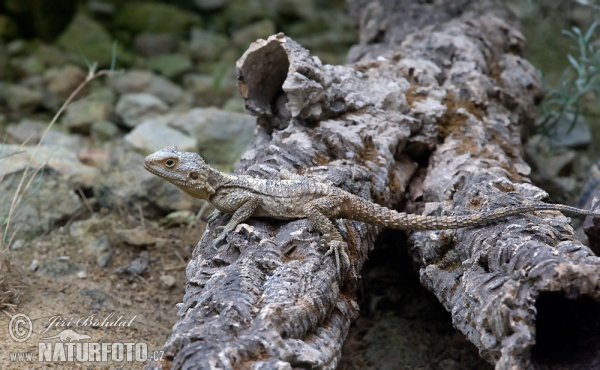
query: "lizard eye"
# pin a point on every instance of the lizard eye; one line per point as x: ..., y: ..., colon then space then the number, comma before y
x: 170, y: 163
x: 194, y: 175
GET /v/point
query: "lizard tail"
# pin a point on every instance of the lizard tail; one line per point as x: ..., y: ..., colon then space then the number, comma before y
x: 365, y: 211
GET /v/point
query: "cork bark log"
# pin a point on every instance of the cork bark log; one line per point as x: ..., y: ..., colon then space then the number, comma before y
x: 427, y: 116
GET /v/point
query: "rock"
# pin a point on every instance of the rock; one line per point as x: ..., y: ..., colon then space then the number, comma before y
x: 134, y: 238
x: 234, y: 104
x: 136, y: 267
x: 167, y: 281
x: 222, y: 136
x: 25, y: 66
x: 198, y: 84
x: 26, y: 130
x: 86, y: 37
x: 104, y: 130
x: 57, y: 157
x: 91, y: 234
x: 125, y: 184
x: 210, y: 4
x: 154, y: 134
x: 559, y: 165
x: 22, y: 99
x: 61, y: 82
x: 205, y: 90
x: 81, y: 115
x: 95, y: 157
x: 34, y: 265
x: 252, y: 32
x: 207, y: 45
x: 57, y: 268
x: 101, y: 249
x: 149, y: 44
x: 137, y: 107
x: 16, y: 47
x: 67, y: 142
x: 591, y: 228
x: 101, y: 7
x: 170, y: 65
x: 47, y: 201
x: 156, y: 18
x: 148, y: 82
x: 578, y: 136
x: 591, y: 187
x: 50, y: 55
x: 178, y: 218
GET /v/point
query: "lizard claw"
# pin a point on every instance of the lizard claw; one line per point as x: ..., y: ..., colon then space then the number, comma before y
x: 339, y: 249
x: 213, y: 216
x: 221, y: 236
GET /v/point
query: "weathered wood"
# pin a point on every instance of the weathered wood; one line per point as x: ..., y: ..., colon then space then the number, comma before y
x: 443, y: 89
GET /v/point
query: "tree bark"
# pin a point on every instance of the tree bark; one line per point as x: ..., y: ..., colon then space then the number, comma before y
x: 432, y: 108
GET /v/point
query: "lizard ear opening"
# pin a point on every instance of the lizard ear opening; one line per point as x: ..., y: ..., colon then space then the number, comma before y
x: 194, y: 175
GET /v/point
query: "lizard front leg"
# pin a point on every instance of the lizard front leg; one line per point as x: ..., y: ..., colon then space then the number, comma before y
x: 319, y: 212
x: 243, y: 206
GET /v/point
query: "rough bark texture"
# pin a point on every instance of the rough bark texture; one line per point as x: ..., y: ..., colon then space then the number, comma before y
x: 431, y: 109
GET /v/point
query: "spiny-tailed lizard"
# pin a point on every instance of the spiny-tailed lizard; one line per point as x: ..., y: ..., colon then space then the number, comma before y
x: 245, y: 196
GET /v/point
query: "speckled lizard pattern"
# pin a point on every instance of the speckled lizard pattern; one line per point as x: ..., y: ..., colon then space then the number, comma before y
x: 245, y: 196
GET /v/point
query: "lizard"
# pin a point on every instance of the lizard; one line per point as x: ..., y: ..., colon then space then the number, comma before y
x: 286, y: 199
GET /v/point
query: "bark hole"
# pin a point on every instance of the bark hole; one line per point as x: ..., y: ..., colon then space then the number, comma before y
x: 567, y: 332
x: 262, y: 75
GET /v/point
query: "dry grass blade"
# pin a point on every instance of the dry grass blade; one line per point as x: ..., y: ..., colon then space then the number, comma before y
x: 10, y: 284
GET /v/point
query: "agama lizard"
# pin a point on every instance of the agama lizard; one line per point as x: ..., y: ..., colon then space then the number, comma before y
x: 245, y: 196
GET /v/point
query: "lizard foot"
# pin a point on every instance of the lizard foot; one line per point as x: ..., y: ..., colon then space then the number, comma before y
x: 339, y: 250
x: 222, y: 234
x: 213, y: 216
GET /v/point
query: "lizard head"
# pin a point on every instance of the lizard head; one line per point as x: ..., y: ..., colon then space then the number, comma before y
x: 186, y: 170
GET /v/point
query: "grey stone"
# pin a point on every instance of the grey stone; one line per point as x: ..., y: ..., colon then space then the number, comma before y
x: 156, y: 18
x: 210, y: 4
x: 101, y: 7
x: 170, y: 65
x: 60, y: 84
x: 26, y: 130
x: 167, y: 281
x: 101, y: 249
x: 155, y: 133
x: 125, y: 184
x: 57, y: 157
x: 67, y: 142
x: 81, y: 115
x: 137, y: 107
x: 143, y: 81
x: 104, y: 130
x: 222, y: 136
x: 44, y: 202
x: 559, y: 165
x: 50, y: 55
x: 150, y: 44
x: 207, y: 45
x: 22, y: 99
x: 578, y: 136
x: 58, y: 268
x: 84, y: 36
x: 252, y: 32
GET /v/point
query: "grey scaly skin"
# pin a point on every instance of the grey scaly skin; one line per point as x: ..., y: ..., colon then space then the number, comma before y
x: 245, y: 196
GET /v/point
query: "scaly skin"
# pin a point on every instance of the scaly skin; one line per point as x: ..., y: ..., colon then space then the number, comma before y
x: 245, y: 196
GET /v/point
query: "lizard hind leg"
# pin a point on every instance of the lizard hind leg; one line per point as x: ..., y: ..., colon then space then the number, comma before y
x: 319, y: 212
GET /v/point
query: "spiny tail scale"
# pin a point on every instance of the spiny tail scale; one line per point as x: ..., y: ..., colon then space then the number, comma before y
x: 375, y: 214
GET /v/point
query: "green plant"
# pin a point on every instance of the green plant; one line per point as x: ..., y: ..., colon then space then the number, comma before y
x: 581, y: 78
